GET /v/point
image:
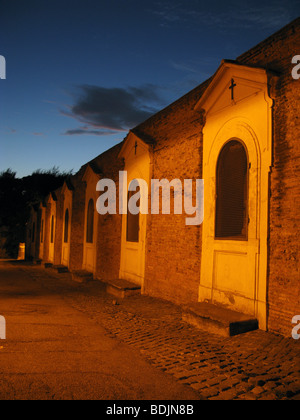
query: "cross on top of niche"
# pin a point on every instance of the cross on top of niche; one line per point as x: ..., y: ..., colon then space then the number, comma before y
x: 231, y: 87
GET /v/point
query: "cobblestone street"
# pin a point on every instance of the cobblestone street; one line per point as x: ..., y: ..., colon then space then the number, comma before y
x: 252, y: 366
x: 256, y: 365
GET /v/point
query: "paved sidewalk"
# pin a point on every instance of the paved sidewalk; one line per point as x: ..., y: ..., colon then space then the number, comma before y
x: 53, y: 351
x: 256, y: 365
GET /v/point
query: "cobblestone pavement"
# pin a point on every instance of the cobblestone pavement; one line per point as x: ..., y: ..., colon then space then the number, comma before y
x: 254, y: 366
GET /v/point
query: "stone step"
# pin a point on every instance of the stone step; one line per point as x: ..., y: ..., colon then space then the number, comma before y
x: 48, y: 265
x: 121, y: 288
x: 218, y: 320
x: 61, y: 268
x: 82, y: 276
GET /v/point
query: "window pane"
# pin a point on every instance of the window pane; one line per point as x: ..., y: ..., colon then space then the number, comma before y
x: 90, y: 223
x: 52, y: 229
x: 33, y: 233
x: 133, y: 220
x: 42, y: 231
x: 66, y: 236
x: 232, y: 192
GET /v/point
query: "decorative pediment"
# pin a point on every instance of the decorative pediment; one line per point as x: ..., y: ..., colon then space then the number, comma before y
x: 133, y: 147
x: 91, y: 172
x: 52, y: 198
x: 67, y: 188
x: 232, y: 84
x: 35, y: 207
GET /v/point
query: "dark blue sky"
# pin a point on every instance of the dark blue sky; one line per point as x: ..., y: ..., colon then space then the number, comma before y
x: 80, y: 73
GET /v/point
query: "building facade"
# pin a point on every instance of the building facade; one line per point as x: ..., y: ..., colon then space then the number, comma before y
x: 238, y: 131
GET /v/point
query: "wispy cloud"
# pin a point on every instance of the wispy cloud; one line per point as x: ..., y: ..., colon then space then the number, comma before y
x: 198, y: 66
x: 38, y: 134
x: 259, y: 16
x: 105, y: 110
x: 79, y: 131
x: 185, y: 67
x: 234, y: 15
x: 193, y: 72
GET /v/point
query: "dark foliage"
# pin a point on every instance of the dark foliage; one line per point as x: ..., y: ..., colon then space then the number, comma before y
x: 17, y: 195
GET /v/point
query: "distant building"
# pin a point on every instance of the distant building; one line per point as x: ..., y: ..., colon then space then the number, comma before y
x: 239, y: 131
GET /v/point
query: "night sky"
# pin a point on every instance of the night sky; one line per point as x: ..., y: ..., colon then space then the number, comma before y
x: 80, y: 73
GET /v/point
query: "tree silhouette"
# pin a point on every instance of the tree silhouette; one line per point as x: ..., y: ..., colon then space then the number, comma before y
x: 17, y: 195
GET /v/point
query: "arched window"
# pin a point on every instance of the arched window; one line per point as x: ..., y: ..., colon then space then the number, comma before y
x: 52, y: 230
x: 33, y: 232
x: 66, y: 234
x: 90, y: 222
x: 42, y: 231
x: 133, y: 220
x: 232, y: 192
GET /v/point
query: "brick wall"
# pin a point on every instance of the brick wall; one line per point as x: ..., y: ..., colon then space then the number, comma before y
x: 58, y: 227
x: 284, y: 281
x: 77, y: 223
x: 173, y: 250
x: 109, y: 226
x: 47, y: 232
x: 108, y: 239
